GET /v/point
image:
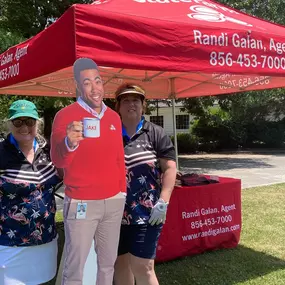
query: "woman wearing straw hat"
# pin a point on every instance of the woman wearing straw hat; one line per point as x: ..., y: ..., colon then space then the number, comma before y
x: 151, y: 174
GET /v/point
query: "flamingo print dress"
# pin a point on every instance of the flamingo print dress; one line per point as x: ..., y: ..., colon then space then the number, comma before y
x: 28, y: 244
x: 142, y: 153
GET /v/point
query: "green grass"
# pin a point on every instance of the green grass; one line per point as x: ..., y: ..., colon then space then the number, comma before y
x: 258, y: 260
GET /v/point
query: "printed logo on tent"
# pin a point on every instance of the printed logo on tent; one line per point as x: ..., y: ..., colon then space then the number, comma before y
x: 98, y: 2
x: 203, y: 13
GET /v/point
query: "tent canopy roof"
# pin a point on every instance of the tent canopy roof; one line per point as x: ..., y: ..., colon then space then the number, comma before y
x: 174, y: 48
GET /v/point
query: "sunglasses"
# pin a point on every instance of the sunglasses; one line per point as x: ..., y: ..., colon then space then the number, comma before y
x: 28, y: 122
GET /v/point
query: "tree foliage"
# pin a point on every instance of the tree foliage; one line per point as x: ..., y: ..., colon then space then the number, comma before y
x: 271, y: 10
x: 20, y: 20
x: 29, y: 17
x: 8, y: 39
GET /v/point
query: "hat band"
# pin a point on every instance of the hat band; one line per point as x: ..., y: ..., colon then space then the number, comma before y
x: 131, y: 92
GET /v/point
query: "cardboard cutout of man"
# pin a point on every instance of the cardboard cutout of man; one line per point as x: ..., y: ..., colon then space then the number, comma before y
x: 86, y: 142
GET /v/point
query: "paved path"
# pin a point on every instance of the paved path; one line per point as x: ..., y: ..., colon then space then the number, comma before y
x: 252, y: 169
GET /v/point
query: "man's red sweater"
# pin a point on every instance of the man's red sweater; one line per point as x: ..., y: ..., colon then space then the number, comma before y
x: 96, y: 169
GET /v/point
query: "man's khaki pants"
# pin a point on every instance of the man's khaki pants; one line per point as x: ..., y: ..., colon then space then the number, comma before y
x: 102, y: 223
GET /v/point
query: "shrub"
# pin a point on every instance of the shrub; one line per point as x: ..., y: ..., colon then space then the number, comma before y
x: 269, y: 134
x: 187, y: 143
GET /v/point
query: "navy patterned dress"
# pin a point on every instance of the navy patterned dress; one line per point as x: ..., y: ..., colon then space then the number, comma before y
x: 27, y: 203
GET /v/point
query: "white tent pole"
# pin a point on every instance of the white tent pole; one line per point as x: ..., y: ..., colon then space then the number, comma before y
x: 174, y: 120
x: 174, y: 132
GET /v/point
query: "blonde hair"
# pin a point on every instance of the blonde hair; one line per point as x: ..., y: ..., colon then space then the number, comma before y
x: 39, y: 124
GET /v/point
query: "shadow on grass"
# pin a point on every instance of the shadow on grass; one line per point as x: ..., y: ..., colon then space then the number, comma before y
x: 221, y: 267
x: 208, y: 164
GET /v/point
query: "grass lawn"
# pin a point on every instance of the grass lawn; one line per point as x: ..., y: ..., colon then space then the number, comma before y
x: 258, y: 260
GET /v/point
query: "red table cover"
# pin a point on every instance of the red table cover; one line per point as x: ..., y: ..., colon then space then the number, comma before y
x: 201, y: 218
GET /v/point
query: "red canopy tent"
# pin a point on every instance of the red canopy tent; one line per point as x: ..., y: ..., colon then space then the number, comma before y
x: 174, y: 48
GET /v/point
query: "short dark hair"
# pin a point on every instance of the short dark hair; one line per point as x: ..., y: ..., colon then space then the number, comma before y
x: 83, y: 64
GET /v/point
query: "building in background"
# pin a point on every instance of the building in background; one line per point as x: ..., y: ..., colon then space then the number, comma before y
x: 161, y: 115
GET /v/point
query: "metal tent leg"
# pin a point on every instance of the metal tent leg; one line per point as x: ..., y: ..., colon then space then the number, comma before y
x: 175, y: 132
